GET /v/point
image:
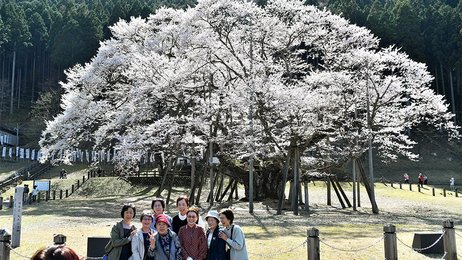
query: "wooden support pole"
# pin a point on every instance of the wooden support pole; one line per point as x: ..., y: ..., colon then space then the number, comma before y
x: 170, y: 188
x: 342, y: 192
x: 226, y: 190
x: 201, y: 183
x: 230, y: 197
x: 296, y: 181
x: 449, y: 240
x: 313, y: 244
x: 337, y: 192
x: 391, y: 249
x: 220, y: 187
x: 329, y: 196
x: 307, y: 203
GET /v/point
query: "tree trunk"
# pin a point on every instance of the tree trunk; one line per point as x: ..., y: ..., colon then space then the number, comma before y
x: 13, y: 70
x: 32, y: 96
x: 453, y: 101
x: 442, y: 79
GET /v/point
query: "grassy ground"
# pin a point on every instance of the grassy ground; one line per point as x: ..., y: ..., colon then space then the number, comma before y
x: 345, y: 234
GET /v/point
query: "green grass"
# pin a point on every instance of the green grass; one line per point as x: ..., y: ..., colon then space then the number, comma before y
x: 93, y: 209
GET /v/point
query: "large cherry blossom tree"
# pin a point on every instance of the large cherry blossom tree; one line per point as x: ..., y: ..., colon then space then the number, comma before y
x: 254, y: 81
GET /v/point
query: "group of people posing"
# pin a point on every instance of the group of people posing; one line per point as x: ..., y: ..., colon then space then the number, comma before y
x: 184, y: 236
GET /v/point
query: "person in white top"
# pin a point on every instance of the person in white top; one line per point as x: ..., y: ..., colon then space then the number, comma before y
x: 182, y: 204
x: 452, y: 183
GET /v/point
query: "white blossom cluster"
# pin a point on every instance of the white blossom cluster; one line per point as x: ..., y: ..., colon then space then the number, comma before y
x: 305, y: 77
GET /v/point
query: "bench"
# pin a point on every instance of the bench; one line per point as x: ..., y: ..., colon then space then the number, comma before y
x: 426, y: 239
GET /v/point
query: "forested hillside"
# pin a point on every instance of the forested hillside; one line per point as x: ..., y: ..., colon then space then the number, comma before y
x: 39, y: 39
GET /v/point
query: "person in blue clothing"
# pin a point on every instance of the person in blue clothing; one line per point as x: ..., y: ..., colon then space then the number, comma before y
x: 216, y: 246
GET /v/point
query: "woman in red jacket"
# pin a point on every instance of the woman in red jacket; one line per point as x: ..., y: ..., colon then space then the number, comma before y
x: 192, y: 237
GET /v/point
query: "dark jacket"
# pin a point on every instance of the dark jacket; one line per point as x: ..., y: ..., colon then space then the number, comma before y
x: 114, y: 247
x: 217, y: 246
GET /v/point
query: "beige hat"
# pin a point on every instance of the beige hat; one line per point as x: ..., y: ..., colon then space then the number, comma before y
x: 213, y: 214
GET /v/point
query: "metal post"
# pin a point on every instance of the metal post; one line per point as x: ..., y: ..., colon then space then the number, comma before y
x: 83, y: 179
x: 5, y: 240
x: 60, y: 194
x: 313, y: 244
x: 444, y: 192
x: 449, y: 240
x: 72, y: 189
x: 410, y: 186
x: 67, y: 193
x: 400, y: 186
x: 457, y: 193
x: 11, y: 201
x: 1, y: 203
x: 433, y: 192
x: 391, y: 249
x: 78, y: 184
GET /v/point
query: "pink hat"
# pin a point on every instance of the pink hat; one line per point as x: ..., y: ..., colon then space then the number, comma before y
x: 162, y: 218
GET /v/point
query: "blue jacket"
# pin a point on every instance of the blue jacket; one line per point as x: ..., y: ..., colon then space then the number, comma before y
x: 217, y: 246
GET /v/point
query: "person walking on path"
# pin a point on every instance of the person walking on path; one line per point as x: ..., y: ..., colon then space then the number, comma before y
x: 421, y: 179
x: 406, y: 178
x: 452, y: 184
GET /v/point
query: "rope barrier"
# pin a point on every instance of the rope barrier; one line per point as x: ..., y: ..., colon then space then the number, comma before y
x: 352, y: 250
x: 281, y: 253
x: 425, y: 248
x: 20, y: 255
x: 445, y: 253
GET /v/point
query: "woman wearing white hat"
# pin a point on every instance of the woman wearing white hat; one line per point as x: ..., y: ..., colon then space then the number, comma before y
x: 216, y: 246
